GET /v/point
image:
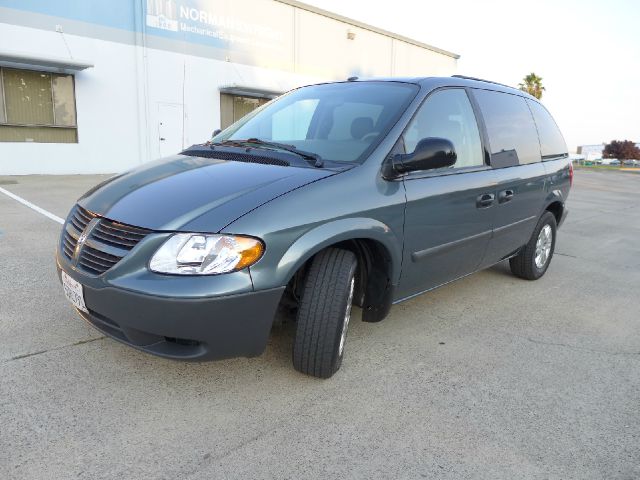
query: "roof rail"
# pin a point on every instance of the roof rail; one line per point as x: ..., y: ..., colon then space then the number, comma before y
x: 481, y: 80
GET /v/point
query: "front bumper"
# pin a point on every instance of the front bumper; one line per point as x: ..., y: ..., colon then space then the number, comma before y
x: 194, y: 328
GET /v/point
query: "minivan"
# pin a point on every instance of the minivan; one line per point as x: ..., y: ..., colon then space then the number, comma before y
x: 365, y: 192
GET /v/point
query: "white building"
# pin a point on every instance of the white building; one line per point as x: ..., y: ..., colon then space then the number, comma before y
x: 593, y: 152
x: 96, y: 87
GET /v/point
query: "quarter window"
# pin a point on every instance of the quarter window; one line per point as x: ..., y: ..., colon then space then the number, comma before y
x: 552, y: 144
x: 512, y: 133
x: 448, y: 114
x: 37, y: 107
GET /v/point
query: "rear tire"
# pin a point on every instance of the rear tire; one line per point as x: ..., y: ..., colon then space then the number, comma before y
x: 324, y: 313
x: 534, y: 258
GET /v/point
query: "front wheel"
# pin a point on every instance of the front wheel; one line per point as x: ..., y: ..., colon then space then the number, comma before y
x: 324, y: 313
x: 534, y: 259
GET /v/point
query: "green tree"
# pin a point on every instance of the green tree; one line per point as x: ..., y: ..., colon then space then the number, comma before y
x: 622, y: 150
x: 532, y: 84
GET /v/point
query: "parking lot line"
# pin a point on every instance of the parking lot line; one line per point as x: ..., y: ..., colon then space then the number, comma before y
x: 26, y: 203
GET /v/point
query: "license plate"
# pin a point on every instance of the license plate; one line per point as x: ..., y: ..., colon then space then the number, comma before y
x: 73, y: 291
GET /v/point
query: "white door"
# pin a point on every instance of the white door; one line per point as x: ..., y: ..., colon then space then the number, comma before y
x: 170, y: 129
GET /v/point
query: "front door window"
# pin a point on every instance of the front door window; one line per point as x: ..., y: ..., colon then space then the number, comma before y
x: 448, y: 114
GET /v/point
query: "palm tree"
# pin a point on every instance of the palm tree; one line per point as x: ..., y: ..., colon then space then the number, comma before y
x: 532, y: 85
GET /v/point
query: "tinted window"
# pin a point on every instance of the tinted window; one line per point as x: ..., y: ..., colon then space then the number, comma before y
x: 448, y: 114
x: 552, y: 142
x: 338, y: 121
x: 512, y: 133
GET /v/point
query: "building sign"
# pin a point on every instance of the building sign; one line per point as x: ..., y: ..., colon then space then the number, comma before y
x: 216, y: 23
x: 162, y: 14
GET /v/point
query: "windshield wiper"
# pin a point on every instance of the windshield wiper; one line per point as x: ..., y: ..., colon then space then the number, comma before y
x: 317, y: 159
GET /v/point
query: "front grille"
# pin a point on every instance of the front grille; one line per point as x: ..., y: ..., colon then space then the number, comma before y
x: 75, y: 225
x: 94, y: 261
x: 119, y: 235
x: 107, y: 243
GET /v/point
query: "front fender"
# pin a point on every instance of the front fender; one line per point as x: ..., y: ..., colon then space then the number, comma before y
x: 322, y: 236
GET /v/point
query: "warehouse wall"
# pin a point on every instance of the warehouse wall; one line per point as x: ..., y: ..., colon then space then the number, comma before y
x: 139, y: 71
x: 117, y: 102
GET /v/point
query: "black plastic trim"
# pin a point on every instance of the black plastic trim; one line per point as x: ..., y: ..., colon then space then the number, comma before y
x: 504, y: 228
x: 445, y: 247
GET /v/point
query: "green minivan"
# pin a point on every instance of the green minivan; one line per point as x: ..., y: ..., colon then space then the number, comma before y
x: 365, y: 192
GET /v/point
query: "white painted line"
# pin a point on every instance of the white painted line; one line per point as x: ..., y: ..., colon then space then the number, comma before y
x: 50, y: 215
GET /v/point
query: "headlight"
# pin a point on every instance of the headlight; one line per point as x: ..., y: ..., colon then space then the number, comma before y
x: 199, y: 254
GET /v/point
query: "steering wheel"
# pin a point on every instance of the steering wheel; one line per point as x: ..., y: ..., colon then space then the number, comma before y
x: 369, y: 135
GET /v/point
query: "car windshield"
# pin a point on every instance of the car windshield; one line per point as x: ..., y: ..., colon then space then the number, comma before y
x: 337, y: 121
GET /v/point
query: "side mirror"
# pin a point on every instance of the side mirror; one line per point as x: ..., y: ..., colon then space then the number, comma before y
x: 430, y: 153
x: 215, y: 132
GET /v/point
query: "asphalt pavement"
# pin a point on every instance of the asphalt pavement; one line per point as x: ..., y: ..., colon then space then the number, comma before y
x: 490, y: 377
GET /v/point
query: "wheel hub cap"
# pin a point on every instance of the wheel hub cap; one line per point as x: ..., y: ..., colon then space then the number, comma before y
x: 543, y: 246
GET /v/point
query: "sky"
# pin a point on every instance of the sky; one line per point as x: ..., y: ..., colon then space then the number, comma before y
x: 587, y: 52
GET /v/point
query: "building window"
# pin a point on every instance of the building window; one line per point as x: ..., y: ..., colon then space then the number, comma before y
x: 234, y: 107
x: 37, y: 107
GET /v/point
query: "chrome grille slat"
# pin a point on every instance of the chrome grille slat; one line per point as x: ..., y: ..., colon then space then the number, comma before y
x: 101, y: 255
x: 106, y: 245
x: 85, y: 260
x: 88, y: 268
x: 69, y: 239
x: 84, y: 216
x: 69, y: 244
x: 117, y: 240
x: 72, y: 232
x: 88, y: 257
x: 76, y: 223
x: 119, y: 229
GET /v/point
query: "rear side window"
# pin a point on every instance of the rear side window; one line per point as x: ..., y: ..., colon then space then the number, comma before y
x: 552, y: 144
x: 512, y: 134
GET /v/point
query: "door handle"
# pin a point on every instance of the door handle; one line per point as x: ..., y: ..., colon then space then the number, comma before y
x: 485, y: 200
x: 162, y: 139
x: 505, y: 196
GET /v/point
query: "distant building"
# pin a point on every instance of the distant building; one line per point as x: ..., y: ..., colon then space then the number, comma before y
x: 593, y: 152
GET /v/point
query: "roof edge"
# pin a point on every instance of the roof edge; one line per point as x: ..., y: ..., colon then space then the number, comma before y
x: 366, y: 26
x: 22, y: 59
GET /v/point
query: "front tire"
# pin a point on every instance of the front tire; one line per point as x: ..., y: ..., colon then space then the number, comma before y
x: 324, y: 313
x: 534, y: 259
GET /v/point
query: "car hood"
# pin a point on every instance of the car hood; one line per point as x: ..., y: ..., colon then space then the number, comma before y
x: 184, y: 193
